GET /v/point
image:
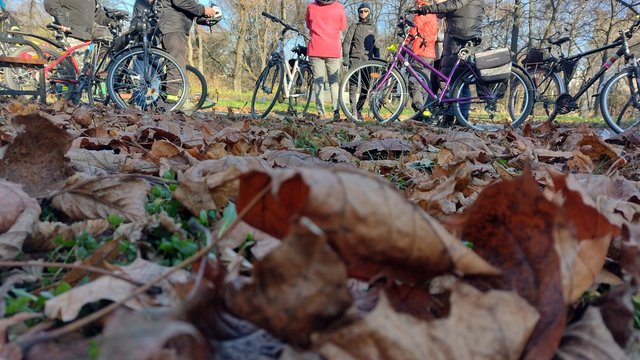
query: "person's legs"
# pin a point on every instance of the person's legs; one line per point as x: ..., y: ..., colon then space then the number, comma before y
x: 364, y: 92
x: 176, y: 44
x: 319, y: 70
x: 415, y: 89
x: 333, y: 70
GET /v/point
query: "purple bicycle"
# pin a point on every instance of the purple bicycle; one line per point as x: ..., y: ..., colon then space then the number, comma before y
x: 480, y: 94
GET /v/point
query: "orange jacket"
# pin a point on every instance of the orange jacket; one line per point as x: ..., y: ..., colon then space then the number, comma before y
x: 427, y: 26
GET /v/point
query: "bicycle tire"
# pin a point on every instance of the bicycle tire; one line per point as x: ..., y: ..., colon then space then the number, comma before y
x: 618, y: 96
x: 197, y: 90
x: 391, y: 96
x: 60, y: 81
x: 511, y: 100
x: 271, y: 77
x: 359, y: 76
x: 146, y: 94
x: 301, y: 92
x: 547, y: 86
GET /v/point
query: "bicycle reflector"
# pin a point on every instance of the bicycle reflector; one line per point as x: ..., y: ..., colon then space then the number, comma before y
x: 392, y: 47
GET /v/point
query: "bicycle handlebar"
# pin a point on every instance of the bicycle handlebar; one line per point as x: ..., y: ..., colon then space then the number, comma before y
x: 286, y: 26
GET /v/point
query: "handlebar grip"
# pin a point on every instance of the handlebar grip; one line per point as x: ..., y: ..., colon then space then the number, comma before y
x: 269, y: 16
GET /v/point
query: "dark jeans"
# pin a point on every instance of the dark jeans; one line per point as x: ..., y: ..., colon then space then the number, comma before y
x: 176, y: 44
x: 359, y: 87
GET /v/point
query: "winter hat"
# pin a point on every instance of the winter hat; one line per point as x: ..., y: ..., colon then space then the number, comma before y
x: 364, y: 5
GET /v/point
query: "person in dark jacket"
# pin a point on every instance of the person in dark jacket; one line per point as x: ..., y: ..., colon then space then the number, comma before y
x: 175, y: 21
x: 359, y: 45
x: 463, y: 23
x: 463, y: 20
x: 76, y: 15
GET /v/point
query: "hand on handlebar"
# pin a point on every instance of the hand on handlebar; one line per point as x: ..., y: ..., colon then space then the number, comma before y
x: 210, y: 12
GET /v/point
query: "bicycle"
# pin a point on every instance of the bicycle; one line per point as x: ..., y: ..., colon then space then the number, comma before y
x: 551, y: 76
x: 283, y: 80
x: 479, y: 100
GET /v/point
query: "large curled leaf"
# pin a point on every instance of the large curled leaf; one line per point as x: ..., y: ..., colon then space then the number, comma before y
x: 298, y: 288
x: 371, y: 226
x: 36, y: 159
x: 492, y: 325
x: 98, y: 197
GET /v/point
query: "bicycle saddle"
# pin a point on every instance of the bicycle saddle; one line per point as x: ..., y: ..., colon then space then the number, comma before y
x: 559, y: 42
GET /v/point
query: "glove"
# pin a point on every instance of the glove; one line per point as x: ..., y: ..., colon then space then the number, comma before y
x: 423, y: 10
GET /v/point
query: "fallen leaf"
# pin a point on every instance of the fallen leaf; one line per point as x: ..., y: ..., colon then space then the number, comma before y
x: 67, y: 306
x: 388, y: 148
x: 98, y: 197
x: 13, y: 201
x: 95, y: 163
x: 589, y: 338
x: 36, y: 159
x: 492, y: 325
x: 297, y: 289
x: 354, y: 209
x: 211, y: 183
x: 146, y: 335
x: 512, y: 225
x: 45, y: 232
x: 11, y: 241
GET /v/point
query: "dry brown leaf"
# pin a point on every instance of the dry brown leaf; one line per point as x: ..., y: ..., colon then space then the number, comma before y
x: 146, y: 335
x: 208, y: 185
x: 12, y: 240
x: 512, y: 225
x: 492, y: 325
x: 295, y: 159
x: 67, y: 305
x: 335, y: 154
x: 368, y: 223
x: 36, y: 159
x: 98, y: 197
x: 297, y: 289
x: 276, y: 140
x: 588, y: 339
x: 13, y: 201
x: 386, y: 148
x: 594, y: 231
x: 42, y: 238
x: 95, y: 163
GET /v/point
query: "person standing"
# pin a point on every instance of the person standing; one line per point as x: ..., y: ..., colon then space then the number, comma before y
x: 422, y: 40
x: 359, y: 45
x: 325, y: 20
x: 463, y: 24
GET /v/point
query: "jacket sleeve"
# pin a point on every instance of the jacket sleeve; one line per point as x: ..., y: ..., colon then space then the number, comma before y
x: 376, y: 49
x: 190, y: 6
x: 445, y: 7
x: 346, y: 42
x: 54, y: 9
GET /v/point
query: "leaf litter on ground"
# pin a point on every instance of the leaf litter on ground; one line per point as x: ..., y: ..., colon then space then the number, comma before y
x: 400, y: 241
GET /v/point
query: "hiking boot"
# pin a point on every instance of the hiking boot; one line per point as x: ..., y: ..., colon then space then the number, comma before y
x: 359, y: 116
x: 448, y: 121
x: 336, y: 115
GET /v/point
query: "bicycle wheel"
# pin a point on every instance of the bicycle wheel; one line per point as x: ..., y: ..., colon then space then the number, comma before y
x: 197, y: 90
x: 267, y: 90
x: 492, y: 106
x: 388, y: 97
x: 354, y: 95
x: 147, y: 79
x: 301, y: 90
x: 548, y: 85
x: 620, y: 101
x: 60, y: 79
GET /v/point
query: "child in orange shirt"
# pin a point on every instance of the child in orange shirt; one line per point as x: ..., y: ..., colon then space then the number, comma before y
x: 423, y: 44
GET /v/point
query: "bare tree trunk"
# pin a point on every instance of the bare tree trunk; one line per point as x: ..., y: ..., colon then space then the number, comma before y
x: 237, y: 69
x: 200, y: 50
x: 515, y: 29
x: 190, y: 55
x: 529, y: 43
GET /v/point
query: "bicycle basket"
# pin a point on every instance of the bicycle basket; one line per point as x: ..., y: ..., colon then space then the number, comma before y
x: 494, y: 65
x: 536, y: 56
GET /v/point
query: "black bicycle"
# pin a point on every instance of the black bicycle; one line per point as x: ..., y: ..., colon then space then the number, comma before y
x: 551, y: 76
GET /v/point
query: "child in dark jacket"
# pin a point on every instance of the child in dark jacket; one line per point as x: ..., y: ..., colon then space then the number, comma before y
x: 359, y: 45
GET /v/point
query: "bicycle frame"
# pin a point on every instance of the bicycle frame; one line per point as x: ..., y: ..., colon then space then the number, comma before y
x: 400, y: 58
x: 277, y: 56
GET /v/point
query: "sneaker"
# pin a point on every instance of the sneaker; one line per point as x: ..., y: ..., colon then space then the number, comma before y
x: 359, y: 116
x: 336, y: 115
x: 448, y: 121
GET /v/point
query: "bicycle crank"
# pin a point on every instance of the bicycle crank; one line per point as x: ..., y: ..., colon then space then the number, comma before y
x: 565, y: 104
